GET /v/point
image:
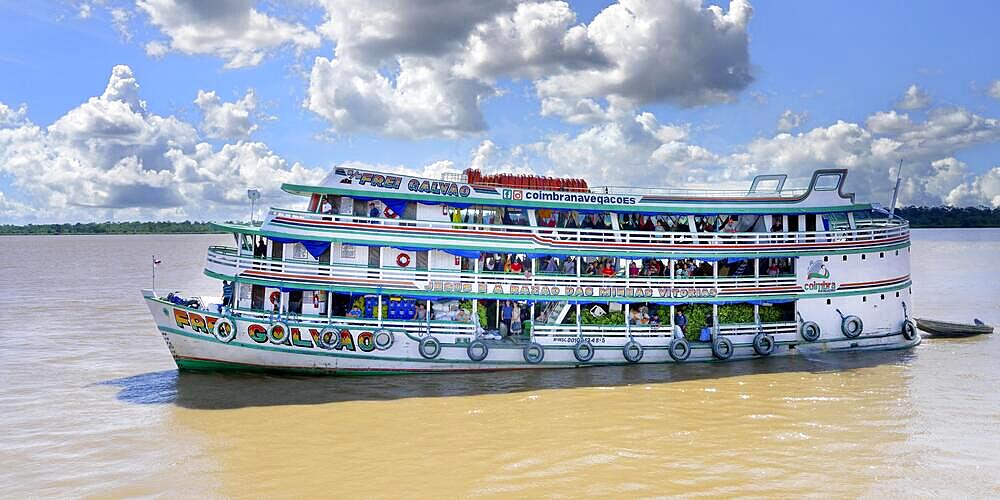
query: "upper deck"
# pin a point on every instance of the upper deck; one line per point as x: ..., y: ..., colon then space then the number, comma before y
x: 766, y: 193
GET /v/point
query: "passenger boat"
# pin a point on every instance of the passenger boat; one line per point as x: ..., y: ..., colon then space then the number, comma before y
x: 949, y: 329
x: 383, y: 273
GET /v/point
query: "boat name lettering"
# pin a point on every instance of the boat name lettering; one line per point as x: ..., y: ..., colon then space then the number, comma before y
x: 438, y: 187
x: 817, y: 278
x: 568, y: 291
x: 596, y: 199
x: 298, y: 337
x: 374, y: 180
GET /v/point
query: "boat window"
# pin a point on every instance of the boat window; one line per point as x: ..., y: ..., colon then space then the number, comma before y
x: 257, y: 297
x: 505, y: 263
x: 661, y: 223
x: 827, y: 182
x: 598, y: 314
x: 735, y: 267
x: 776, y: 266
x: 295, y: 301
x: 573, y: 219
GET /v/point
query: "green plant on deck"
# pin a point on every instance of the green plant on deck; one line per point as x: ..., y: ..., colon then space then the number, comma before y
x: 695, y: 314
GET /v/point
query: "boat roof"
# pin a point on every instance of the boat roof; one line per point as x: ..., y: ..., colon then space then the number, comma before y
x: 824, y: 192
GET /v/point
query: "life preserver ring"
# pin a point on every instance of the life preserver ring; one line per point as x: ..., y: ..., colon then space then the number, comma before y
x: 278, y: 333
x: 909, y: 330
x: 852, y: 326
x: 389, y: 213
x: 429, y: 347
x: 225, y: 330
x: 679, y: 349
x: 533, y: 353
x: 583, y: 351
x: 632, y: 351
x: 403, y: 260
x: 329, y: 338
x: 722, y: 348
x: 763, y: 344
x: 384, y: 339
x: 275, y: 298
x: 477, y: 350
x: 810, y: 331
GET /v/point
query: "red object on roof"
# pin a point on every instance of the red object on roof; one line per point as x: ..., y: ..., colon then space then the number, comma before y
x: 476, y: 177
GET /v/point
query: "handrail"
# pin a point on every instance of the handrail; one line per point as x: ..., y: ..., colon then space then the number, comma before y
x: 869, y: 230
x: 228, y: 261
x: 457, y: 328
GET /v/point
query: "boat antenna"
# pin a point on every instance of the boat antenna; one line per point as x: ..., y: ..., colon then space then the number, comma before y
x: 895, y: 190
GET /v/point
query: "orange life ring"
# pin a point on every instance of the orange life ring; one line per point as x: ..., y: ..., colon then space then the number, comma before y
x: 389, y: 213
x: 403, y: 260
x: 275, y: 297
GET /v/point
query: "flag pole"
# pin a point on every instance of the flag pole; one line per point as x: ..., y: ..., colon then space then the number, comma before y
x: 154, y: 275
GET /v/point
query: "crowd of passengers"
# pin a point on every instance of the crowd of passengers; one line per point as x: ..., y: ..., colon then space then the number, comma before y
x: 610, y: 266
x: 573, y: 219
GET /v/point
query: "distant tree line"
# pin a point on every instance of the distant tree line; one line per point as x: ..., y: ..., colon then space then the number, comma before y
x: 112, y: 228
x: 950, y: 216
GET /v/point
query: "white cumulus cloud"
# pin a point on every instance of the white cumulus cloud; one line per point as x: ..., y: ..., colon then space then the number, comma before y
x: 111, y: 153
x: 227, y: 120
x: 914, y: 98
x: 231, y: 29
x: 790, y: 120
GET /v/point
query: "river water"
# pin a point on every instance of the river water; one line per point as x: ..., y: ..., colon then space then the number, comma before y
x: 92, y: 404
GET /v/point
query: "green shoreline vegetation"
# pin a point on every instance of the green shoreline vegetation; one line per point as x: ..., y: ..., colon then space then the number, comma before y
x: 919, y: 217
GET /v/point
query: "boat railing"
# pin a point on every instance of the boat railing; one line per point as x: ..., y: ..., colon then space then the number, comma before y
x: 697, y: 192
x: 228, y: 261
x: 665, y: 329
x: 871, y: 229
x: 441, y: 327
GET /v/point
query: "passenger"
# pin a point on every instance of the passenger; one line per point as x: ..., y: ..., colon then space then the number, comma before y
x: 773, y: 270
x: 608, y: 270
x: 730, y: 226
x: 420, y: 312
x: 633, y: 269
x: 647, y: 224
x: 355, y: 312
x: 372, y: 209
x: 600, y: 223
x: 681, y: 321
x: 227, y: 293
x: 516, y: 266
x: 506, y: 313
x: 776, y: 225
x: 550, y: 265
x: 587, y: 222
x: 569, y: 266
x: 326, y: 207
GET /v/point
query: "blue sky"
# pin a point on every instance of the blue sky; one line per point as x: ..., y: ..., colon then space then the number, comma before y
x: 818, y: 63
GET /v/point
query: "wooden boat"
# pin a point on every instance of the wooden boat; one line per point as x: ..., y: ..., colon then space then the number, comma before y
x: 946, y: 329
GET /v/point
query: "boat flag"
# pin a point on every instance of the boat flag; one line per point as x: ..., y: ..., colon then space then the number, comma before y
x: 156, y: 261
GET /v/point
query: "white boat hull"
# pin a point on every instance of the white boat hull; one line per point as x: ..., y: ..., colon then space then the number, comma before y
x: 188, y: 335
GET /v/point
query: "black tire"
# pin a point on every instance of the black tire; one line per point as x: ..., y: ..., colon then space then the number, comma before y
x: 680, y: 350
x: 763, y: 344
x: 583, y: 351
x: 429, y: 347
x: 909, y: 330
x: 533, y: 353
x: 384, y: 339
x: 333, y: 333
x: 286, y: 333
x: 852, y: 326
x: 477, y: 350
x: 810, y: 331
x: 722, y: 348
x: 225, y: 330
x: 632, y: 351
